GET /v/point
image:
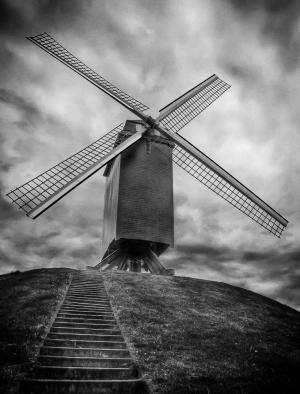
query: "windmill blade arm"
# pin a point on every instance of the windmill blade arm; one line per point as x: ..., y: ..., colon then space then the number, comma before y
x: 208, y: 172
x: 181, y: 111
x: 40, y: 193
x: 50, y: 45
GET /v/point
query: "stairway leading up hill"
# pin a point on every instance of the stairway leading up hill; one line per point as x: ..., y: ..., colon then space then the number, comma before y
x: 85, y: 352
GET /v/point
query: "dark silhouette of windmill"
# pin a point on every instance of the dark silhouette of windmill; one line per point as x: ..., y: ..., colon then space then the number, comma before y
x: 138, y: 213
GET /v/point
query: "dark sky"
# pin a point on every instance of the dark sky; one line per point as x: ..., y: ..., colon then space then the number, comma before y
x: 156, y: 50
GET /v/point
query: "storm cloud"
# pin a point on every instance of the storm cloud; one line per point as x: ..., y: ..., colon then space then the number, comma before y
x: 156, y: 50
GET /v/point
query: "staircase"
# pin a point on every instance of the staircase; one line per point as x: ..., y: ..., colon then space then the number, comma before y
x: 85, y: 352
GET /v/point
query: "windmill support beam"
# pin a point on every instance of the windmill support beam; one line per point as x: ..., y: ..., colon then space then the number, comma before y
x: 107, y: 260
x: 154, y: 264
x: 133, y: 256
x: 115, y: 262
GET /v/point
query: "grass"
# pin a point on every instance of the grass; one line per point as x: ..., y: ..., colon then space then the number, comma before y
x: 187, y: 335
x: 28, y: 301
x: 196, y: 336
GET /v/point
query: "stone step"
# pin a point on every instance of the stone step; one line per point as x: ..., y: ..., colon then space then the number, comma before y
x: 82, y: 330
x: 84, y: 352
x: 87, y: 287
x: 86, y: 294
x: 74, y: 304
x: 85, y: 312
x: 102, y: 293
x: 86, y: 308
x: 86, y: 290
x: 54, y: 386
x: 85, y: 361
x: 87, y: 284
x: 88, y: 281
x: 84, y: 325
x: 99, y: 320
x: 85, y: 373
x: 103, y: 335
x: 86, y: 299
x: 93, y: 304
x: 86, y: 316
x: 83, y: 343
x: 91, y: 284
x: 85, y: 302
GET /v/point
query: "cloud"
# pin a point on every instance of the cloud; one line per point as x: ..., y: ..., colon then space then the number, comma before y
x: 272, y: 273
x: 279, y: 23
x: 205, y: 249
x: 17, y: 15
x: 156, y: 51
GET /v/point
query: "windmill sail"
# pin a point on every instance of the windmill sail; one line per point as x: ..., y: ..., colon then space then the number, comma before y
x: 50, y: 45
x: 37, y: 195
x: 225, y: 185
x: 185, y: 108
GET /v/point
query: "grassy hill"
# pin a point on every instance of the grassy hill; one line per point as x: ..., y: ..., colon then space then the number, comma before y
x: 188, y: 335
x: 28, y: 301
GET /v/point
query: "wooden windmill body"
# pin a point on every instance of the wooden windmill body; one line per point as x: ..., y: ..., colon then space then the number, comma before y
x: 138, y: 222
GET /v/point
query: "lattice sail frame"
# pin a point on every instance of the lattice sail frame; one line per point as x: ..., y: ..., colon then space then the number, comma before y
x: 180, y: 112
x: 50, y: 45
x: 185, y: 108
x: 38, y: 190
x: 227, y: 191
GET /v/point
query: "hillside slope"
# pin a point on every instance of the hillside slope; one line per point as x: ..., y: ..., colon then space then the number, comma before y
x: 188, y: 335
x: 197, y: 336
x: 28, y: 302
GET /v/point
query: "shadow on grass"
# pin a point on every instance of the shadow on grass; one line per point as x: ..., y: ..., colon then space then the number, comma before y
x: 27, y: 303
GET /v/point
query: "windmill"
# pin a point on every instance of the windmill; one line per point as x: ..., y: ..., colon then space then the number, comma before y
x: 138, y: 220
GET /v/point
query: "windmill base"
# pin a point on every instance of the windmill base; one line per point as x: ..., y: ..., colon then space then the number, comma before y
x: 134, y: 256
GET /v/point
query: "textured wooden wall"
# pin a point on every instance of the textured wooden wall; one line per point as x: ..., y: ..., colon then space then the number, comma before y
x: 139, y: 195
